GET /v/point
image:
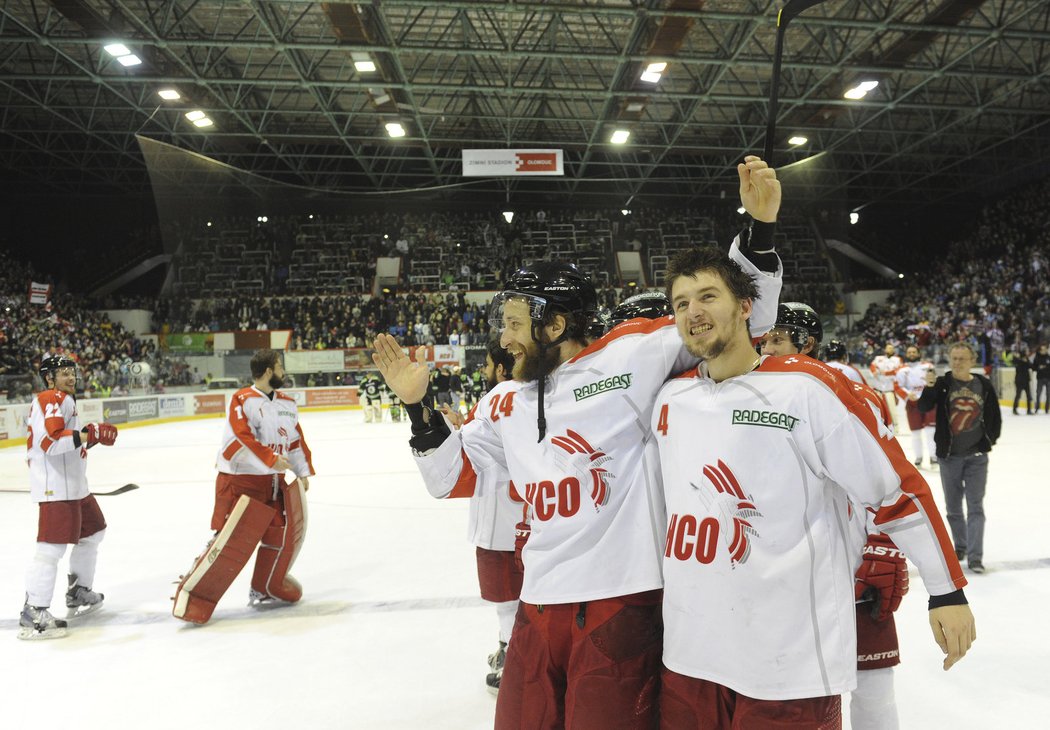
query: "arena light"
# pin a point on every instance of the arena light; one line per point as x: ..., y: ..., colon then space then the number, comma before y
x: 205, y: 122
x: 741, y: 210
x: 169, y: 95
x: 653, y: 72
x: 620, y: 136
x: 209, y: 224
x: 860, y: 90
x: 508, y: 215
x: 394, y: 129
x: 625, y: 211
x: 854, y: 218
x: 797, y: 140
x: 195, y: 115
x: 363, y: 62
x: 117, y: 50
x: 129, y: 60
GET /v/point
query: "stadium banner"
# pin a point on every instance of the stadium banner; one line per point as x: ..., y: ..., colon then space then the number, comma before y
x: 211, y: 403
x: 141, y: 409
x: 188, y: 341
x: 115, y: 411
x: 345, y: 396
x: 314, y: 361
x: 511, y: 163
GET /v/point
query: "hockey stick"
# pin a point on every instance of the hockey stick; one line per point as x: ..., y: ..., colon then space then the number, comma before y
x: 791, y: 9
x: 118, y: 490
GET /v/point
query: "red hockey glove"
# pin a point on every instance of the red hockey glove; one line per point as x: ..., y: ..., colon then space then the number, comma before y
x: 100, y: 433
x: 522, y: 530
x: 882, y: 577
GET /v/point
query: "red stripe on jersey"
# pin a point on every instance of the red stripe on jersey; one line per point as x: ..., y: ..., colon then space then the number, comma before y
x: 690, y: 373
x: 637, y: 326
x: 301, y: 444
x: 467, y: 482
x: 727, y: 472
x: 231, y: 450
x: 566, y: 445
x: 243, y: 431
x: 45, y: 444
x: 917, y: 495
x: 579, y: 439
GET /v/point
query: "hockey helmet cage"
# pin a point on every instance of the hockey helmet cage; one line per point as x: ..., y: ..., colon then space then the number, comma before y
x: 801, y: 321
x: 651, y: 305
x: 548, y: 287
x: 835, y: 350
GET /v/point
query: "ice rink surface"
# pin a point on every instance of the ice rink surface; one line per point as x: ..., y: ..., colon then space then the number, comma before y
x: 390, y: 632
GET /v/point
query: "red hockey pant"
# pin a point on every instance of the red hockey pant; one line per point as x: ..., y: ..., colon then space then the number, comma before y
x: 583, y: 665
x: 687, y: 703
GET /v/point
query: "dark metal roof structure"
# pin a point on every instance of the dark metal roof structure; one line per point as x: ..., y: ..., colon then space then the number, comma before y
x: 962, y: 102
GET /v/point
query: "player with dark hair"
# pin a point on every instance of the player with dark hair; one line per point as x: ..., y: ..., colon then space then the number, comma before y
x: 760, y: 506
x: 57, y: 448
x: 254, y: 505
x: 572, y: 433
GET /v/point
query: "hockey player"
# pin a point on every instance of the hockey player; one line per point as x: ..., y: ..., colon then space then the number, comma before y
x: 370, y: 392
x: 910, y: 380
x: 254, y: 505
x: 882, y: 579
x: 798, y: 331
x: 494, y: 512
x: 883, y: 373
x: 572, y: 433
x: 57, y: 447
x: 835, y: 356
x: 649, y: 305
x: 757, y: 507
x: 394, y: 403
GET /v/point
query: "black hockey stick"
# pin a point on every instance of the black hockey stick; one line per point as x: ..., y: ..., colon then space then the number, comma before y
x: 791, y: 9
x: 118, y: 490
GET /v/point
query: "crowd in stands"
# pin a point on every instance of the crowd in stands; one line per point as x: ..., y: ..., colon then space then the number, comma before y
x: 67, y: 325
x: 991, y: 288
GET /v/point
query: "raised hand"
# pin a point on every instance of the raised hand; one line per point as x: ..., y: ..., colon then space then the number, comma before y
x: 408, y: 379
x: 759, y: 189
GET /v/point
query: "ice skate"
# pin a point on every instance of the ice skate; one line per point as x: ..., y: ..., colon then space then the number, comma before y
x: 492, y: 681
x: 81, y: 600
x: 264, y: 601
x: 497, y: 658
x: 36, y: 623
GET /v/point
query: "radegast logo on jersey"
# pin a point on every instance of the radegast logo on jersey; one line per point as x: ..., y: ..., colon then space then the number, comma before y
x: 755, y: 417
x: 616, y: 382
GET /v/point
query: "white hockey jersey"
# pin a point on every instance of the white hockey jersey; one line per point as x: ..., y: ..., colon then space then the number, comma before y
x: 591, y: 483
x: 883, y: 370
x: 259, y: 428
x: 495, y: 509
x: 57, y: 466
x: 848, y: 370
x: 911, y: 378
x: 761, y: 544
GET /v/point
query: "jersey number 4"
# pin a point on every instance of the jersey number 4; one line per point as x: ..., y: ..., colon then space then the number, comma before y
x: 502, y: 405
x: 661, y: 424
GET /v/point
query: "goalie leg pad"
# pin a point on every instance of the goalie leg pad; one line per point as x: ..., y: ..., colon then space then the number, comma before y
x: 281, y: 544
x: 223, y: 558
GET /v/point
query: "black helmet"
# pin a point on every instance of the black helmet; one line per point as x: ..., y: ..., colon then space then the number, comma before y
x: 51, y: 364
x: 835, y: 350
x: 598, y: 325
x: 550, y: 286
x: 651, y: 305
x: 801, y: 321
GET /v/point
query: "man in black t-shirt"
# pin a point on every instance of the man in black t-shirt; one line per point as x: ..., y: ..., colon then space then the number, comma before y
x: 1041, y: 364
x: 968, y: 425
x: 1023, y: 378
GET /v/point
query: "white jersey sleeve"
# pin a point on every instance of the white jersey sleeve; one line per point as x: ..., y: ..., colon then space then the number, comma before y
x: 259, y: 428
x: 764, y: 313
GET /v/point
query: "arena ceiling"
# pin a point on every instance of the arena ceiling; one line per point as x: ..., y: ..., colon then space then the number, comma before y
x: 961, y: 106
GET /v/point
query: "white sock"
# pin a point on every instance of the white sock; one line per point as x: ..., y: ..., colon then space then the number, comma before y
x: 40, y: 578
x: 83, y: 558
x: 506, y: 612
x: 873, y: 705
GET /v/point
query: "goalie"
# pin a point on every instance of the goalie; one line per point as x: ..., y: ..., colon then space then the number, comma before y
x: 254, y: 504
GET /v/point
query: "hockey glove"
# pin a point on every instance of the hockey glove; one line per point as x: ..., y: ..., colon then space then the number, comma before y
x: 99, y: 433
x: 882, y: 577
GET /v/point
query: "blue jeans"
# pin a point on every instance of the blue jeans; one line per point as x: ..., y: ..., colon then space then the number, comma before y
x: 965, y: 476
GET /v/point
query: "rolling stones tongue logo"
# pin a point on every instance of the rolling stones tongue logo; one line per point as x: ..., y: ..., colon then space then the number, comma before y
x: 965, y: 412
